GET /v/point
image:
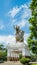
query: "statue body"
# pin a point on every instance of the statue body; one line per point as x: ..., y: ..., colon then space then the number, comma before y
x: 19, y: 34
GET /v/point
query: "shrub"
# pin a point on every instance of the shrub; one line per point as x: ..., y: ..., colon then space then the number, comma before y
x: 24, y: 60
x: 20, y: 56
x: 3, y: 55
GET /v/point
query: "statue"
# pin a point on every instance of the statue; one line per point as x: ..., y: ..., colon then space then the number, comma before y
x: 19, y: 34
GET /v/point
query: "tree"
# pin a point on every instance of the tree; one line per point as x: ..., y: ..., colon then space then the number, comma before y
x: 32, y: 40
x: 1, y: 46
x: 3, y: 52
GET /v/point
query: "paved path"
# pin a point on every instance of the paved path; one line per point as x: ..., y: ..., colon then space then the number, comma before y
x: 11, y: 63
x: 33, y: 62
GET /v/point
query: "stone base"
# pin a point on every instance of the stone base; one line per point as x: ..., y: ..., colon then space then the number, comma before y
x: 8, y: 58
x: 12, y: 58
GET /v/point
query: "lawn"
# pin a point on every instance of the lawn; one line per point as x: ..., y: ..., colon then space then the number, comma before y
x: 33, y: 64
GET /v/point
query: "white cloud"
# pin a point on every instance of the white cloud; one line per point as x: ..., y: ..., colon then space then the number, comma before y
x: 7, y: 39
x: 26, y: 36
x: 1, y: 26
x: 22, y: 23
x: 26, y: 13
x: 24, y: 6
x: 19, y: 15
x: 16, y: 9
x: 11, y: 39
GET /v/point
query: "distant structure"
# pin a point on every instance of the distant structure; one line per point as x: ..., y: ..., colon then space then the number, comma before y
x: 17, y: 46
x: 19, y: 34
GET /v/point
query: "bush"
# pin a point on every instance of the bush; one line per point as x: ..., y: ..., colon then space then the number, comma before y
x: 24, y: 60
x: 20, y: 56
x: 3, y: 55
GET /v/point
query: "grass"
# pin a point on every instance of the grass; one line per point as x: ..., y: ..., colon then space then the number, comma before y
x: 33, y: 64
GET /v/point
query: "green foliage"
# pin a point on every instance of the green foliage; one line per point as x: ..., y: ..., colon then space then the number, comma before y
x: 3, y: 55
x: 3, y: 52
x: 32, y: 40
x: 34, y: 64
x: 24, y: 60
x: 20, y: 56
x: 33, y: 7
x: 1, y: 46
x: 33, y: 58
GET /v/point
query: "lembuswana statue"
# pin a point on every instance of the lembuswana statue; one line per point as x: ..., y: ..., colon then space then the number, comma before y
x: 19, y: 34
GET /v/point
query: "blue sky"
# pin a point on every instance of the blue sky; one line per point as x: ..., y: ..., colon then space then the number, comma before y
x: 14, y: 12
x: 6, y: 8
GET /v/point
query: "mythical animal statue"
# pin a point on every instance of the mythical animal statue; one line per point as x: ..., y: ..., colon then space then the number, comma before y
x: 19, y: 34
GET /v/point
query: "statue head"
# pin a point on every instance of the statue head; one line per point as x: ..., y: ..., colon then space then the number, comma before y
x: 17, y: 28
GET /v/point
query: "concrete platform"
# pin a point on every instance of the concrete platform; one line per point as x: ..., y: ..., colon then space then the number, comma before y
x: 11, y: 63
